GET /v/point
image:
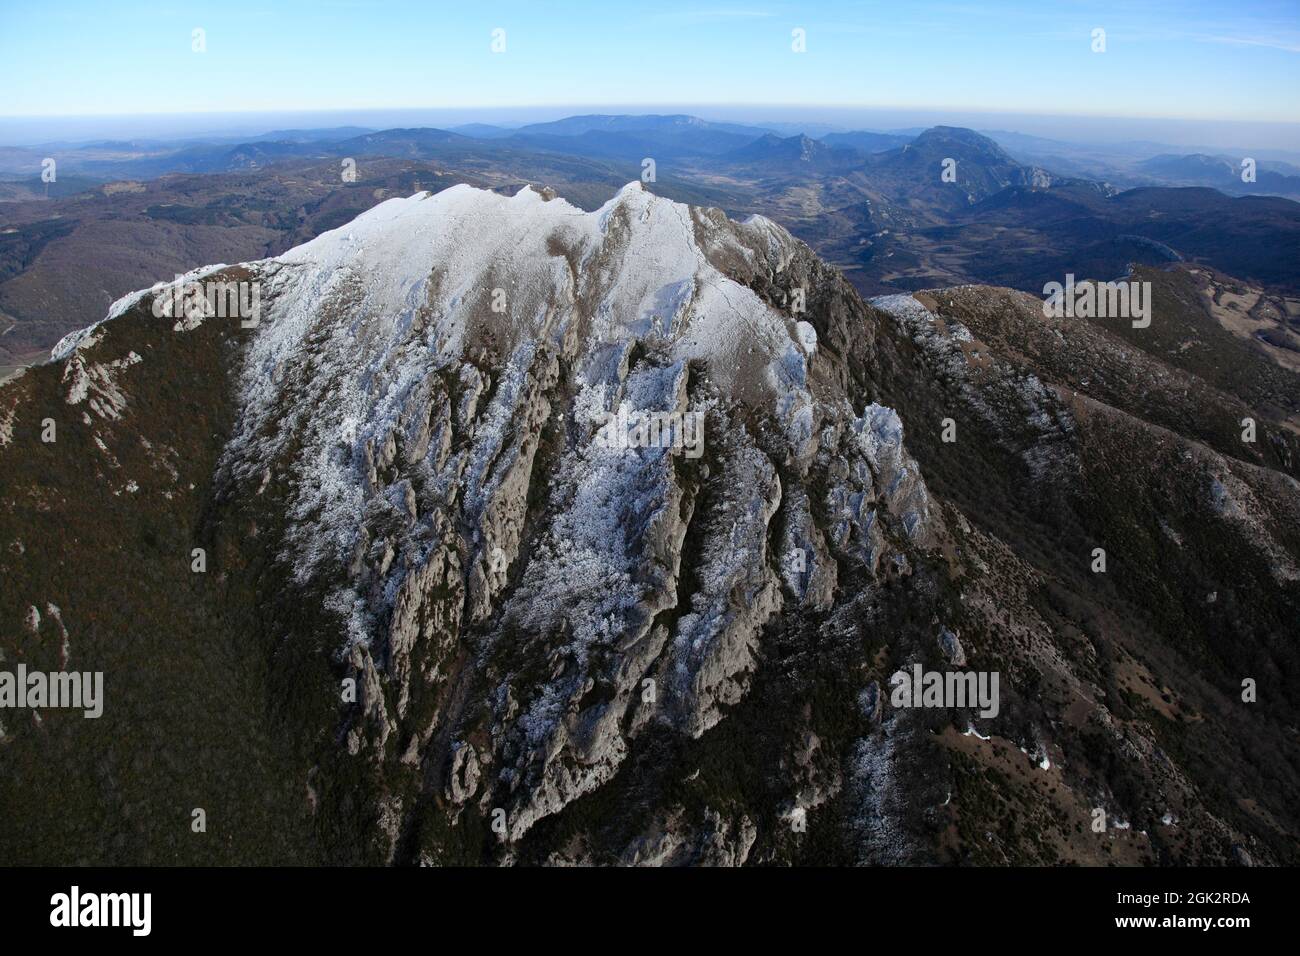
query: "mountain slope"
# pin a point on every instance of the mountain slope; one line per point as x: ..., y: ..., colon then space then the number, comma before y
x: 608, y: 519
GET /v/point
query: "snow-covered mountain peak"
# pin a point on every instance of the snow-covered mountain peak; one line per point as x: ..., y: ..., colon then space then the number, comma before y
x: 474, y: 263
x: 618, y: 442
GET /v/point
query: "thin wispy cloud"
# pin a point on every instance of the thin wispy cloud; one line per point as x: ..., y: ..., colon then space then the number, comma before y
x: 1290, y: 45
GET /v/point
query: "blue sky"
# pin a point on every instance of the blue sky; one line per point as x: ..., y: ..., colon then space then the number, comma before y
x: 1205, y: 60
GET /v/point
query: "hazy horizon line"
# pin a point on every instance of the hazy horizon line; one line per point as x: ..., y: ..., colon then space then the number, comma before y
x: 620, y: 107
x: 17, y: 130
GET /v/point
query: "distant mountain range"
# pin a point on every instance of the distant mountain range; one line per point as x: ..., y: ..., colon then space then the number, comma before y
x: 866, y: 141
x: 895, y: 211
x: 793, y: 152
x: 1224, y: 173
x: 631, y: 138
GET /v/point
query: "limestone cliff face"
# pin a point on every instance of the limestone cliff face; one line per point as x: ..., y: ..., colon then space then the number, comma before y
x: 521, y: 599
